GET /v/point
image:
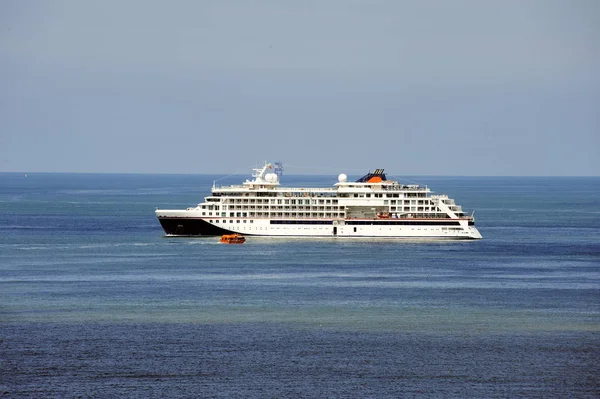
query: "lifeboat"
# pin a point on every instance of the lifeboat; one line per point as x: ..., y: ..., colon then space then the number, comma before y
x: 233, y: 239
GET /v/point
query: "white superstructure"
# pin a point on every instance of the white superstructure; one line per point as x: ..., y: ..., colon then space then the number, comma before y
x: 372, y: 206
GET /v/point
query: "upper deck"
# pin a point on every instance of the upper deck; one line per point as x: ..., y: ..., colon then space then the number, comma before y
x: 267, y: 184
x: 339, y: 191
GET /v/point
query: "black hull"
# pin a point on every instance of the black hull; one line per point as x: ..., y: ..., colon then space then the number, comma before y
x: 190, y: 227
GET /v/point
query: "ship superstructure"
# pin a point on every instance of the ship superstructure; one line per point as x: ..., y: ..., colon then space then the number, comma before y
x: 372, y: 206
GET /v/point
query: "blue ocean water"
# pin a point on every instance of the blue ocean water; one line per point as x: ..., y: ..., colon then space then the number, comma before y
x: 96, y: 302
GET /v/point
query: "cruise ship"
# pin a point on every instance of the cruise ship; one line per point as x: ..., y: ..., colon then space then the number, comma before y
x: 371, y: 206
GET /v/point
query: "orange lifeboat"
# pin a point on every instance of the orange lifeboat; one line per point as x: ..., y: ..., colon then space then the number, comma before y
x: 233, y: 239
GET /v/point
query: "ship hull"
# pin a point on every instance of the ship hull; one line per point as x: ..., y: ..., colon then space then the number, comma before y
x: 195, y: 226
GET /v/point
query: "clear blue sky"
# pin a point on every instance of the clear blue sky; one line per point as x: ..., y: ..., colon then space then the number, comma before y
x: 455, y: 87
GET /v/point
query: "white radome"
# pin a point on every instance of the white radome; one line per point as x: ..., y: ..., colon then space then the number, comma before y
x: 271, y: 178
x: 342, y: 178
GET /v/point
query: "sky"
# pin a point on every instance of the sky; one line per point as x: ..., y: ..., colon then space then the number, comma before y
x: 459, y: 87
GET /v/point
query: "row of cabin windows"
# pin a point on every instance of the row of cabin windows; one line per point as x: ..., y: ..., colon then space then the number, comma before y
x: 286, y: 207
x: 282, y: 207
x: 300, y: 197
x: 350, y: 222
x: 282, y: 201
x: 320, y: 202
x: 289, y: 214
x: 408, y: 202
x: 277, y: 212
x: 272, y: 194
x: 380, y: 195
x: 427, y: 214
x: 231, y: 221
x: 308, y: 210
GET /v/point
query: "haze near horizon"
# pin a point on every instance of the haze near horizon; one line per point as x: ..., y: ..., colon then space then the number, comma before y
x: 418, y: 88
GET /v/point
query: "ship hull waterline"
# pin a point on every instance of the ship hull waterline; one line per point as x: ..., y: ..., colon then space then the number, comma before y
x: 199, y: 227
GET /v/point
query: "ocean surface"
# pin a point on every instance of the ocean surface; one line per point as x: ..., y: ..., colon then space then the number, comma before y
x: 96, y: 302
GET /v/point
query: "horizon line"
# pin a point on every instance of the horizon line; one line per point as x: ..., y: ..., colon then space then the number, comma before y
x: 26, y: 174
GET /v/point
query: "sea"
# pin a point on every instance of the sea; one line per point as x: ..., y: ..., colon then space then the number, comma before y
x: 96, y: 302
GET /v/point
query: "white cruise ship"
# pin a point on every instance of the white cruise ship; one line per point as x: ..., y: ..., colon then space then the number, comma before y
x: 372, y: 206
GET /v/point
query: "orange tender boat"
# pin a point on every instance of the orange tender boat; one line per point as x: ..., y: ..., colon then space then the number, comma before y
x: 233, y: 239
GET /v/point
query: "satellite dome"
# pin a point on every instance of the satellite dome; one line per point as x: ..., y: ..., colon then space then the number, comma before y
x: 342, y: 178
x: 271, y: 178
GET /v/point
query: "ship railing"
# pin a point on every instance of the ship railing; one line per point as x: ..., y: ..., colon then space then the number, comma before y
x: 313, y: 190
x: 227, y: 187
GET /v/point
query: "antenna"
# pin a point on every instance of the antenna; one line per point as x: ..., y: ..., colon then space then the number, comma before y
x: 278, y: 168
